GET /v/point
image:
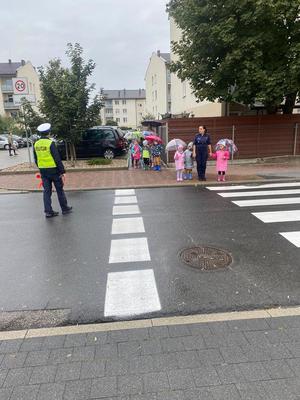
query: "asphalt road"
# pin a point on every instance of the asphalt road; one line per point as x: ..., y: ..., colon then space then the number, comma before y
x: 81, y: 270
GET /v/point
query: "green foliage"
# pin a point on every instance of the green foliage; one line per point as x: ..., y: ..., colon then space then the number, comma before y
x: 239, y: 51
x: 148, y: 117
x: 99, y: 161
x: 28, y: 118
x: 9, y: 124
x: 66, y: 95
x: 111, y: 122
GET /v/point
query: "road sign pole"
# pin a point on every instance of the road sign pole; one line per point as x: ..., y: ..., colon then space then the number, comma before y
x: 26, y: 131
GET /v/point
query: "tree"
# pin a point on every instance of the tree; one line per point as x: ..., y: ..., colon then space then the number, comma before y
x: 148, y: 117
x: 8, y: 124
x: 28, y: 117
x: 111, y: 122
x: 243, y: 51
x: 66, y: 97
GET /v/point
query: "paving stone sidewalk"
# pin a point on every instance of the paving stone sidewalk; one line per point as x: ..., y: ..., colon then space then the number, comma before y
x: 140, y: 178
x: 244, y: 359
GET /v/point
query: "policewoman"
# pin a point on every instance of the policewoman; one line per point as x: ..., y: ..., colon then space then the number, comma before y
x: 201, y: 151
x: 52, y: 170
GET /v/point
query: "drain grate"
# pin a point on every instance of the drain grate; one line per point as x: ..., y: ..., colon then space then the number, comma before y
x: 205, y: 258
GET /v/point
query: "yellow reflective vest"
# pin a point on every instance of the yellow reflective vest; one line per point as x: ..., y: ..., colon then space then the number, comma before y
x: 43, y: 154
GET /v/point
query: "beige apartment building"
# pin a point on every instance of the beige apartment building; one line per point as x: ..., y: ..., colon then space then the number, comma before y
x: 126, y: 107
x: 18, y: 80
x: 182, y: 99
x: 158, y: 85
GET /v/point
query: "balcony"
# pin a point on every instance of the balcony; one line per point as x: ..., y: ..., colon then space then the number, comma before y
x: 7, y: 88
x: 9, y: 105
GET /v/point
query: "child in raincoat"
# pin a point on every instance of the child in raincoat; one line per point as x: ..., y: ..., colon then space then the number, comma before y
x: 188, y: 162
x: 136, y: 153
x: 146, y: 155
x: 179, y: 163
x: 222, y: 156
x: 156, y: 151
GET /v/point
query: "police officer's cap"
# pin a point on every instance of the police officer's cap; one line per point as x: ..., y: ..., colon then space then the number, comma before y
x: 44, y: 128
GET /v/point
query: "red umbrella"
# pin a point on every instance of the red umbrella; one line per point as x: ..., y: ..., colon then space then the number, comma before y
x: 153, y: 138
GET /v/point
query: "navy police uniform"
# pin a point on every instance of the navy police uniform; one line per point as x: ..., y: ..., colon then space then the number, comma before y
x: 48, y: 160
x: 201, y: 143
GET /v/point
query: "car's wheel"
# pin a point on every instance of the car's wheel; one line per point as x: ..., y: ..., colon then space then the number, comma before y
x: 6, y: 147
x: 109, y: 154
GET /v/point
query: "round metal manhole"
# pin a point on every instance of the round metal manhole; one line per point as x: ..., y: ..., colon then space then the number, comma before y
x: 205, y: 258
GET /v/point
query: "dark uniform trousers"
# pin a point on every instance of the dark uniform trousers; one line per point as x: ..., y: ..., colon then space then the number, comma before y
x: 201, y: 158
x: 48, y: 178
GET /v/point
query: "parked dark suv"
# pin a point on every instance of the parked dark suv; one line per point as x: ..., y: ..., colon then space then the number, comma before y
x: 104, y: 141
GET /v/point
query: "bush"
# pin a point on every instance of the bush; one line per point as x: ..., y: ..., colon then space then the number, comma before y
x: 99, y: 161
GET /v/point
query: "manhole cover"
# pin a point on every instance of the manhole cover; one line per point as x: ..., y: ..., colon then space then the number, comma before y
x: 205, y: 258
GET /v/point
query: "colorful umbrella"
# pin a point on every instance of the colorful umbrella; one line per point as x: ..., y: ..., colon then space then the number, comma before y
x: 228, y: 143
x: 174, y: 143
x: 153, y: 138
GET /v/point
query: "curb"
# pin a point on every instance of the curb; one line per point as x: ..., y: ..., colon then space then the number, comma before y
x: 154, y: 322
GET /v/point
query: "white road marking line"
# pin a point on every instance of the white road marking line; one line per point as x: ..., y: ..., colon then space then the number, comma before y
x: 129, y: 250
x: 124, y: 192
x: 278, y: 216
x: 293, y: 237
x: 127, y: 225
x: 267, y: 202
x: 260, y: 193
x: 267, y: 185
x: 131, y: 293
x: 126, y: 200
x: 123, y: 210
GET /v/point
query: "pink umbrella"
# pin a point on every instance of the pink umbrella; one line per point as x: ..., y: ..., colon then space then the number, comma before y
x: 153, y: 138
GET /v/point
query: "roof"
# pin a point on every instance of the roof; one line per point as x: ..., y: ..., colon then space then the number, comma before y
x: 9, y: 68
x: 166, y: 56
x: 124, y: 94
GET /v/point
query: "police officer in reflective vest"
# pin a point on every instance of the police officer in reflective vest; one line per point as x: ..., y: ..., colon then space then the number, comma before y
x: 52, y: 170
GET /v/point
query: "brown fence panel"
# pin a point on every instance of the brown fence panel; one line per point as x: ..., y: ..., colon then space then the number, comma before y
x: 255, y: 136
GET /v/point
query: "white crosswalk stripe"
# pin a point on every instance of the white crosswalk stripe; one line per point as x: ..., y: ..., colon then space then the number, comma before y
x: 268, y: 217
x: 126, y: 200
x: 293, y: 237
x: 267, y: 202
x: 260, y: 193
x: 127, y: 225
x: 251, y: 187
x: 129, y: 293
x: 278, y: 216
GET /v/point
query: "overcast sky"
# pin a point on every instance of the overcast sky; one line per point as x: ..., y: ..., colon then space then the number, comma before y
x: 119, y: 35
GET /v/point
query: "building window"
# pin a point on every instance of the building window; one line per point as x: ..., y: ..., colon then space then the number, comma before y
x: 125, y: 119
x: 117, y: 111
x: 123, y: 101
x: 169, y: 107
x: 124, y: 110
x: 108, y: 110
x: 117, y: 102
x: 108, y: 102
x: 152, y: 80
x: 155, y: 94
x: 117, y: 119
x: 10, y: 98
x: 141, y: 105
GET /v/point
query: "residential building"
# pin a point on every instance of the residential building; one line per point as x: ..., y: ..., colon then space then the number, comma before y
x: 28, y: 76
x: 158, y: 85
x: 126, y: 107
x: 183, y: 102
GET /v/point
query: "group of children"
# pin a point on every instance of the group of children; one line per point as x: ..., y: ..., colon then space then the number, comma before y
x: 184, y: 162
x: 146, y: 155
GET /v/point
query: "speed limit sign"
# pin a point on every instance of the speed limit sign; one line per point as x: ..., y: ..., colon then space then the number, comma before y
x: 20, y: 85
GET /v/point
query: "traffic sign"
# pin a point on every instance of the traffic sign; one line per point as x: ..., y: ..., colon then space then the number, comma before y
x: 20, y: 85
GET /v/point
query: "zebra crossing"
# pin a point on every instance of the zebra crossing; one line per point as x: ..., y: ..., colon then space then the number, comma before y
x: 272, y: 194
x: 130, y: 292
